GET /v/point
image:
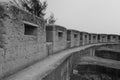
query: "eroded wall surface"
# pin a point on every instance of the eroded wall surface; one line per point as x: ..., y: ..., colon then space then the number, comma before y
x: 75, y: 38
x: 59, y: 42
x: 18, y: 49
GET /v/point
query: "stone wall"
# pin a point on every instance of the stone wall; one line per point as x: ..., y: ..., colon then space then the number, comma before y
x: 103, y: 38
x: 60, y: 38
x: 85, y: 38
x: 22, y: 38
x: 75, y: 38
x: 94, y: 38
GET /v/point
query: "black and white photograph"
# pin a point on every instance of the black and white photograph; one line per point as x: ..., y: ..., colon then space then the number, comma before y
x: 59, y: 39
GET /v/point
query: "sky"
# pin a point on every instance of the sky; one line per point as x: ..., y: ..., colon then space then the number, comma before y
x: 96, y: 16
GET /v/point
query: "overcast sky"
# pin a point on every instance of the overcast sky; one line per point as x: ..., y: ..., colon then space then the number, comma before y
x: 98, y: 16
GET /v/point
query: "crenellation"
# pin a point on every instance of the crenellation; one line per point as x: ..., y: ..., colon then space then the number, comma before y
x: 57, y: 36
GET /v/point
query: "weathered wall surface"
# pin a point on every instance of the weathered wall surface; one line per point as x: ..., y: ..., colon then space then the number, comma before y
x: 103, y: 38
x: 115, y: 47
x: 85, y: 38
x: 113, y: 38
x: 75, y: 38
x: 62, y: 72
x: 59, y: 42
x: 16, y: 48
x: 94, y: 38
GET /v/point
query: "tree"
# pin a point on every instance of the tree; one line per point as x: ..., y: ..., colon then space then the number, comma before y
x: 51, y: 19
x: 33, y: 6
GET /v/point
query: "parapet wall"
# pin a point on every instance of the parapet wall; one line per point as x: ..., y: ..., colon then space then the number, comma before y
x: 22, y: 39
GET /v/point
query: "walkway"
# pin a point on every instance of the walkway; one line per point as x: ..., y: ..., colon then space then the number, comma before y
x: 42, y: 68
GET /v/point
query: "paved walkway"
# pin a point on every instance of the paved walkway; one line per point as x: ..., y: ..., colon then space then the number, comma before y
x: 42, y: 68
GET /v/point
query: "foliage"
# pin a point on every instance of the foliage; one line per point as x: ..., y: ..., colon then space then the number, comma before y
x: 33, y: 6
x: 51, y: 19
